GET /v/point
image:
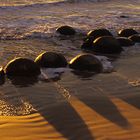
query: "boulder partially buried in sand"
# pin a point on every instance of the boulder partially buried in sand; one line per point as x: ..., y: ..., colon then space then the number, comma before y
x: 22, y: 67
x: 66, y: 30
x: 86, y: 62
x: 107, y: 45
x: 125, y: 42
x: 135, y: 38
x: 127, y: 32
x: 94, y: 34
x: 51, y: 60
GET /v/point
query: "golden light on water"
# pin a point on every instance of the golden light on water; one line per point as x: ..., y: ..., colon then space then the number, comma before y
x: 25, y: 2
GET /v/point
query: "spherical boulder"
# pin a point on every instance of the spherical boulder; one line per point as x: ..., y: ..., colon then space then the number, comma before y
x: 94, y: 34
x: 107, y: 45
x: 87, y: 44
x: 66, y: 30
x: 51, y: 60
x: 135, y: 38
x: 127, y: 32
x: 86, y: 62
x: 125, y: 42
x: 22, y: 67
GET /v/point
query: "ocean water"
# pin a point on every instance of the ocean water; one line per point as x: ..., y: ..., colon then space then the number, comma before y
x: 62, y: 104
x: 27, y: 2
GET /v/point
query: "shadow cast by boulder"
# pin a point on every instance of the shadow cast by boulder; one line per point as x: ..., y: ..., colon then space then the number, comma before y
x: 60, y: 114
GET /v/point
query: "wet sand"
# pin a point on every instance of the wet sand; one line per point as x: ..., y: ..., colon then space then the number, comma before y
x: 104, y: 106
x: 99, y: 114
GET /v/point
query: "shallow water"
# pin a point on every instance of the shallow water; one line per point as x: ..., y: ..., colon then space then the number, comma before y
x: 65, y: 104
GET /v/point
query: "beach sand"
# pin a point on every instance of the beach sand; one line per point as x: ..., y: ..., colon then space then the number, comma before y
x: 104, y: 106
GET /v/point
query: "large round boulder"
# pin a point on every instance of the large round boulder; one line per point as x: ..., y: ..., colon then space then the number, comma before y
x: 86, y: 62
x: 127, y: 32
x: 22, y: 67
x: 107, y: 45
x: 51, y: 60
x: 66, y: 30
x: 125, y: 42
x: 94, y: 34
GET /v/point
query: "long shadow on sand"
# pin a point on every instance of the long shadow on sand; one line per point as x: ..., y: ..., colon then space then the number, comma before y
x: 133, y: 98
x: 64, y: 117
x: 100, y: 103
x: 60, y: 114
x: 96, y: 98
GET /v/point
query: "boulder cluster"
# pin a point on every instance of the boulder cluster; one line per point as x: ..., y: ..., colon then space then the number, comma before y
x: 98, y: 41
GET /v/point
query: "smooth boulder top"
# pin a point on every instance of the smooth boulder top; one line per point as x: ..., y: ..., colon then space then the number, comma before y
x: 94, y: 34
x: 51, y: 60
x: 135, y: 38
x: 127, y: 32
x: 66, y: 30
x: 86, y: 62
x: 107, y: 45
x: 125, y: 42
x: 22, y: 67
